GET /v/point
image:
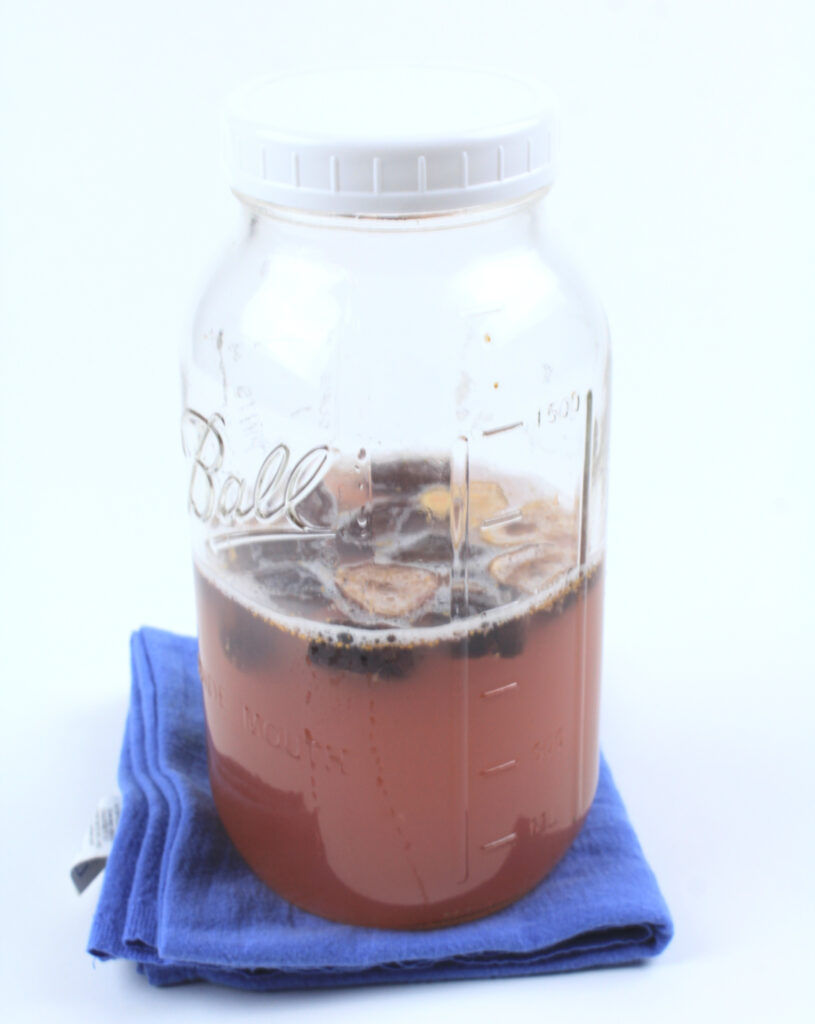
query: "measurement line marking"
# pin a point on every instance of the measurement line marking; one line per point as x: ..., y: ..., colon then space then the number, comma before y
x: 499, y: 690
x: 502, y: 430
x: 510, y: 515
x: 503, y: 841
x: 228, y: 540
x: 494, y: 769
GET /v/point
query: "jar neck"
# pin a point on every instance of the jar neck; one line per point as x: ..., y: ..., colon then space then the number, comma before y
x: 260, y: 213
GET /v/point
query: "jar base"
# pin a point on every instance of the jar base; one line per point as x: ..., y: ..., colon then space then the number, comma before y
x: 280, y: 842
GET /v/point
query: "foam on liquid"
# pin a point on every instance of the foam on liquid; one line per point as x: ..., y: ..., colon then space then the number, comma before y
x: 251, y: 596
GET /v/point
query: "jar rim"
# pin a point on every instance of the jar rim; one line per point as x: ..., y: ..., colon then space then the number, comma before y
x: 402, y: 141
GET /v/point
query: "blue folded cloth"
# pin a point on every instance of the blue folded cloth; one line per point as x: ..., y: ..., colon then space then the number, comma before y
x: 178, y: 899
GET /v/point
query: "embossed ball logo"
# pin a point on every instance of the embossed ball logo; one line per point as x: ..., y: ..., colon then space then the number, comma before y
x: 273, y: 496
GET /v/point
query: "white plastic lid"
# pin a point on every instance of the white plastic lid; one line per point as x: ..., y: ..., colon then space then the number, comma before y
x: 390, y: 141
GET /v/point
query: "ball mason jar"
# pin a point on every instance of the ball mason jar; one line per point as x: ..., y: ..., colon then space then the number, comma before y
x: 395, y: 423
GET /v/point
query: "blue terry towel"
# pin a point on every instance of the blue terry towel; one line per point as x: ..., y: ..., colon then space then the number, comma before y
x: 178, y: 899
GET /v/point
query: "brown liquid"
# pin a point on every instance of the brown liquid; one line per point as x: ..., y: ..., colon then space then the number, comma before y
x: 403, y: 784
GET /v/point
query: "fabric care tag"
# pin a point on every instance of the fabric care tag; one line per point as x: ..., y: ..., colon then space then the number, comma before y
x: 98, y: 840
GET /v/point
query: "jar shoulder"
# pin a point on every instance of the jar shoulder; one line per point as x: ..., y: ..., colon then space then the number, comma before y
x: 477, y: 320
x: 259, y: 291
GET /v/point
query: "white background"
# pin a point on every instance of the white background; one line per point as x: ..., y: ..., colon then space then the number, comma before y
x: 686, y: 190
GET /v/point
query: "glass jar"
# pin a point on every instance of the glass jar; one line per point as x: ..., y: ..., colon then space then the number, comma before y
x: 395, y: 420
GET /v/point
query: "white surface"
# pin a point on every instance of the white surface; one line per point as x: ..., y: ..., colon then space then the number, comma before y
x: 686, y: 188
x: 390, y: 140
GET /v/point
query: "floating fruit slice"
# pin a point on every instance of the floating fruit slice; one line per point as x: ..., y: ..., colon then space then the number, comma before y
x: 487, y: 499
x: 436, y: 501
x: 542, y: 520
x: 528, y: 569
x: 389, y: 590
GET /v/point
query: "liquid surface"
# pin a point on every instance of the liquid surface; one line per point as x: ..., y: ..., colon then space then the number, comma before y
x: 402, y: 734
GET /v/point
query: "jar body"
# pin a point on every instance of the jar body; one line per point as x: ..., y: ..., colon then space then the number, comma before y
x: 396, y: 435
